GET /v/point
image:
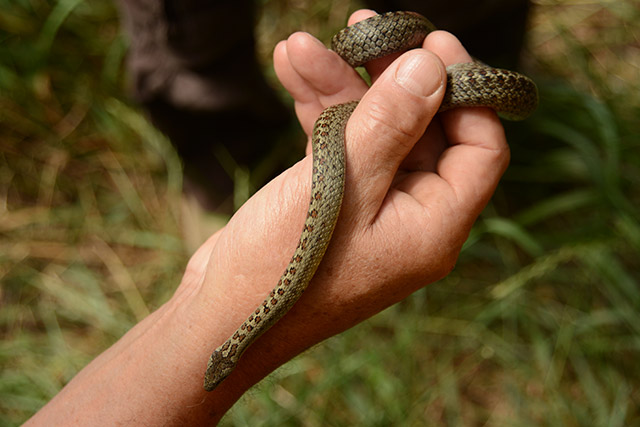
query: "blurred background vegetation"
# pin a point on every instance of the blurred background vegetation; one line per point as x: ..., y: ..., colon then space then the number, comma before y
x: 539, y: 324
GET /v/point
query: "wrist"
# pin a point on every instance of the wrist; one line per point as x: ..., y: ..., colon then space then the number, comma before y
x: 153, y: 374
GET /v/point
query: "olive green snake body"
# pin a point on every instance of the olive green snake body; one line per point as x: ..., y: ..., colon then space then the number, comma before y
x: 513, y: 95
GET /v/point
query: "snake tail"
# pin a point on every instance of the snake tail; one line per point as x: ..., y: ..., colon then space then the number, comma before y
x: 512, y: 95
x: 327, y: 188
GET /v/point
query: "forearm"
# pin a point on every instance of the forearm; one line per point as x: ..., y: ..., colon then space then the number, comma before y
x: 152, y: 375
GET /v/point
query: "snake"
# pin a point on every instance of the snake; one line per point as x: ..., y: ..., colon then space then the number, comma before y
x: 513, y: 95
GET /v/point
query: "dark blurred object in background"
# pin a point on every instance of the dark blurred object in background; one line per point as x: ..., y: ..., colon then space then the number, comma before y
x: 193, y: 67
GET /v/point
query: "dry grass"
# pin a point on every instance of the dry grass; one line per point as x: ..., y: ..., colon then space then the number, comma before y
x: 537, y: 325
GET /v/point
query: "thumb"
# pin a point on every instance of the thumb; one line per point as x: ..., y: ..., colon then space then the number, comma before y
x: 390, y: 119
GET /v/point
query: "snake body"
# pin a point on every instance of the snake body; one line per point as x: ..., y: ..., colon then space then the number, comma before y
x: 513, y: 95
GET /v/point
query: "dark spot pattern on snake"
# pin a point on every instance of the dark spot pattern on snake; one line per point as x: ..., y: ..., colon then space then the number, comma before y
x: 472, y: 84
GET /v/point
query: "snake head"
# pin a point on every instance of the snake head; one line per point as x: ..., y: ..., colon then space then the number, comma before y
x: 218, y: 368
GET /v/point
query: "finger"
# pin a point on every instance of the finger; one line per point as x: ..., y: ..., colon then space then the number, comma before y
x: 315, y: 76
x: 289, y: 78
x: 384, y: 128
x: 426, y: 154
x: 478, y: 153
x: 360, y: 15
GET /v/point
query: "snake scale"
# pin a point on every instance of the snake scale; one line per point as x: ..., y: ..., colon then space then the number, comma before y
x: 513, y: 95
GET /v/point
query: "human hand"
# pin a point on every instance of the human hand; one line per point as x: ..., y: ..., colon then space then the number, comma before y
x: 414, y: 187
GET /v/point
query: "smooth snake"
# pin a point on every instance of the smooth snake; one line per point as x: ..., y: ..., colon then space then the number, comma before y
x: 511, y: 94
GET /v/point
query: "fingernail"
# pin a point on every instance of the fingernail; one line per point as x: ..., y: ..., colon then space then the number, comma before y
x: 420, y: 74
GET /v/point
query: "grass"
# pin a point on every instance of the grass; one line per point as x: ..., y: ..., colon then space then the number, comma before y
x: 539, y: 324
